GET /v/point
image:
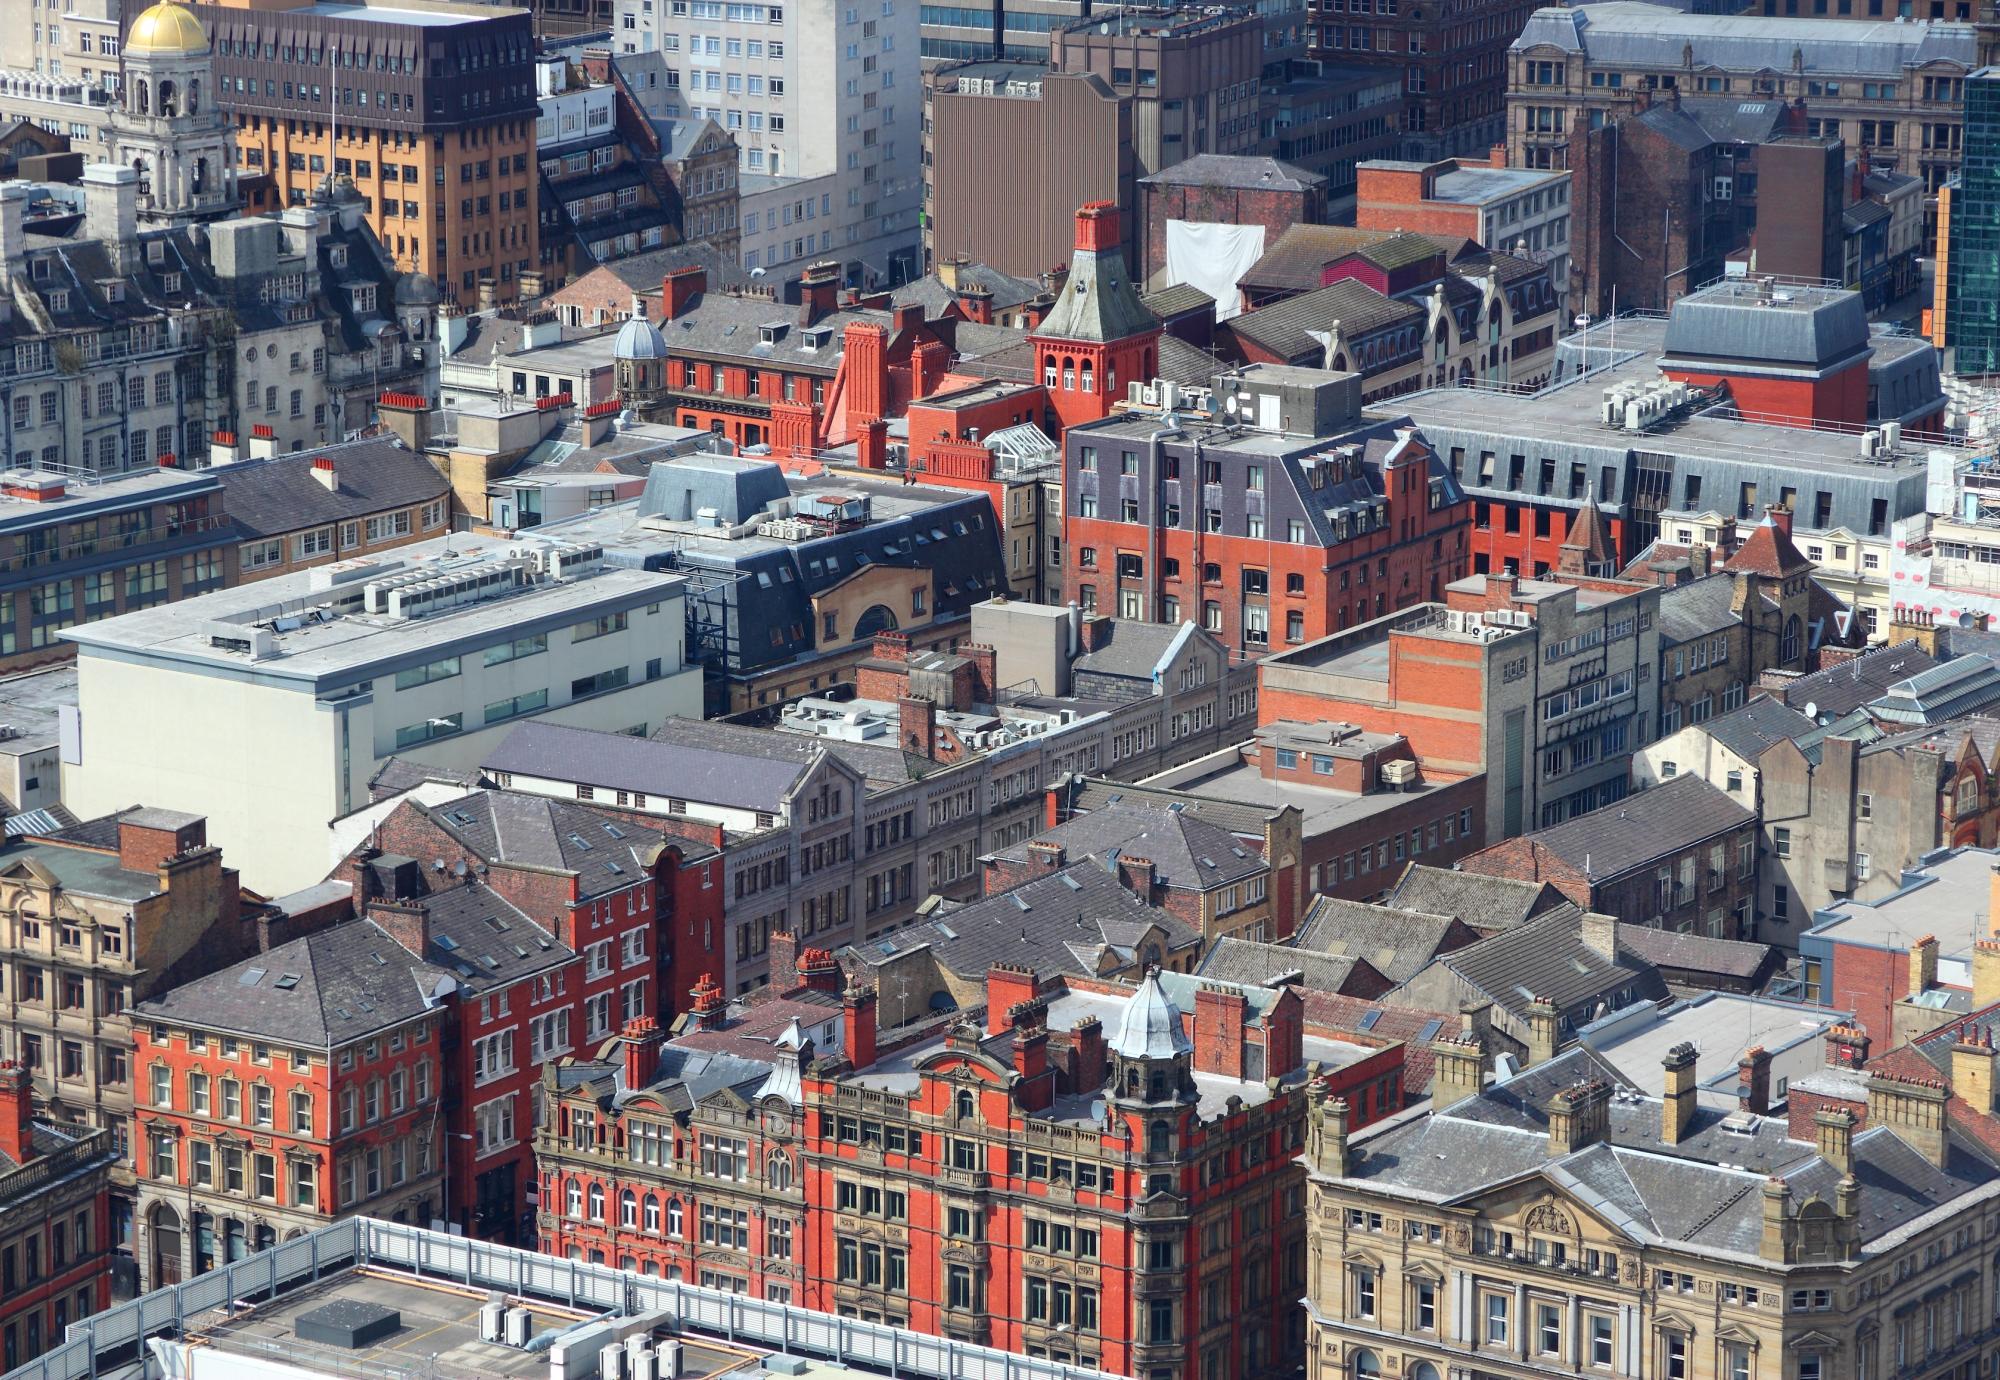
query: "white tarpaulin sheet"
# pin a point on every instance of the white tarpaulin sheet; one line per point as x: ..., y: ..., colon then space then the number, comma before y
x: 1212, y: 256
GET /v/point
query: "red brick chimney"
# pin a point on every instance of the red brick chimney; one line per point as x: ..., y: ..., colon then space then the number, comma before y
x: 891, y: 646
x: 709, y: 1007
x: 643, y: 1037
x: 1090, y: 1057
x: 1008, y: 985
x: 985, y: 669
x: 1096, y: 632
x: 1036, y: 1090
x: 406, y: 923
x: 864, y: 360
x: 1781, y: 518
x: 819, y: 292
x: 1218, y: 1031
x: 784, y: 951
x: 147, y: 838
x: 929, y: 362
x: 1753, y: 1075
x: 871, y: 445
x: 918, y: 727
x: 977, y: 304
x: 17, y: 1112
x: 1097, y: 226
x: 1136, y: 875
x: 818, y: 970
x: 680, y: 290
x: 857, y: 1025
x: 1847, y: 1047
x: 1044, y: 856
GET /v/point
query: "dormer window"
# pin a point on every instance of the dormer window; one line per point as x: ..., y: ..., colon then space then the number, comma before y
x: 170, y: 282
x: 338, y: 256
x: 773, y: 332
x: 59, y: 300
x: 816, y: 337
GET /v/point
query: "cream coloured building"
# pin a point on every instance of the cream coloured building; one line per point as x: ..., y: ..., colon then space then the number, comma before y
x: 1560, y: 1222
x: 268, y: 707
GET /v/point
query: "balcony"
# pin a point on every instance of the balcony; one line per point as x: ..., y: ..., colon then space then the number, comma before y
x: 964, y: 1180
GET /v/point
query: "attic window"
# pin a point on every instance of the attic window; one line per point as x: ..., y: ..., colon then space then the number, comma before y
x: 499, y: 925
x: 59, y: 300
x: 580, y: 841
x: 816, y: 337
x: 250, y: 977
x: 170, y: 282
x: 156, y: 251
x: 773, y: 333
x: 338, y: 256
x: 286, y: 982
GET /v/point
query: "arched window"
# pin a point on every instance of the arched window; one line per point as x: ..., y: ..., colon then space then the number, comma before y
x: 573, y: 1197
x: 965, y: 1103
x: 1789, y: 647
x: 674, y: 1218
x: 143, y: 94
x: 628, y: 1210
x: 1363, y: 1364
x: 652, y: 1214
x: 780, y: 1175
x: 169, y: 100
x: 194, y: 98
x: 1159, y: 1136
x: 597, y: 1202
x: 1049, y: 372
x: 1089, y: 376
x: 1968, y: 794
x: 1423, y: 1370
x: 1069, y: 375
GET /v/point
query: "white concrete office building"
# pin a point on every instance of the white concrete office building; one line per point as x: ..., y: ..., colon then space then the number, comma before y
x: 267, y: 708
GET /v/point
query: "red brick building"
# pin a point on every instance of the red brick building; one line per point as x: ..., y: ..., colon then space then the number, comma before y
x: 1226, y: 189
x: 611, y: 890
x: 297, y: 1086
x: 1290, y: 520
x: 55, y: 1222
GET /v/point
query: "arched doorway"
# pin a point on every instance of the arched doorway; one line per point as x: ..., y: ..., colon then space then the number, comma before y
x: 165, y: 1233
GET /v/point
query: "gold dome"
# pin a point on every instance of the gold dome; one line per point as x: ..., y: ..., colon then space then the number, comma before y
x: 167, y: 29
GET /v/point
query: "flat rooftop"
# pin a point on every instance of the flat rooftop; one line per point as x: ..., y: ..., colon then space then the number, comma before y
x: 1322, y: 809
x: 1948, y: 898
x: 1723, y: 1026
x: 243, y: 1318
x: 429, y: 18
x: 336, y: 649
x: 1480, y: 186
x: 31, y: 706
x: 79, y: 497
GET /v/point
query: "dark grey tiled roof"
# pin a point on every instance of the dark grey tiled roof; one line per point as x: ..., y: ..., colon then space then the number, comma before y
x: 1398, y: 943
x: 326, y: 989
x: 483, y: 940
x: 1485, y: 903
x: 882, y: 766
x: 658, y: 766
x: 1697, y: 608
x: 1852, y: 684
x: 605, y: 854
x: 1547, y: 958
x: 1244, y: 172
x: 1096, y: 793
x: 266, y: 498
x: 1077, y: 919
x: 399, y: 774
x: 1245, y: 960
x: 1131, y: 648
x: 1644, y: 827
x: 1186, y: 851
x: 1697, y: 953
x: 1705, y: 1191
x: 1763, y: 721
x: 1172, y: 301
x: 930, y: 292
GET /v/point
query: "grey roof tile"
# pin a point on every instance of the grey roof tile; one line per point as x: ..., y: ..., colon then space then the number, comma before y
x: 1398, y: 943
x: 1644, y: 827
x: 1185, y: 850
x: 1547, y: 958
x: 1485, y: 903
x: 265, y: 498
x: 1248, y: 961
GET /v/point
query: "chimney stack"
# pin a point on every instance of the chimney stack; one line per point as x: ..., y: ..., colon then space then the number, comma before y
x: 1834, y: 1128
x: 1753, y: 1079
x: 1097, y: 227
x: 1579, y: 1117
x: 1677, y: 1110
x: 1600, y: 935
x: 819, y: 971
x: 709, y: 1008
x: 1916, y: 1109
x: 819, y: 292
x: 783, y: 949
x: 406, y: 922
x: 857, y: 1025
x: 1008, y: 985
x: 643, y: 1038
x: 1972, y: 1070
x: 1544, y: 1029
x: 323, y: 473
x: 681, y: 290
x: 111, y: 213
x: 1458, y: 1069
x: 1923, y: 965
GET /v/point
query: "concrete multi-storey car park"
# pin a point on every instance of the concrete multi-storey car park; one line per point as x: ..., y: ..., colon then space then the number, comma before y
x: 334, y: 670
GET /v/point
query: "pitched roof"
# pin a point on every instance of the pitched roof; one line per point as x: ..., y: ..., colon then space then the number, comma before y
x: 1485, y: 903
x: 1651, y: 824
x: 1589, y: 534
x: 1245, y: 960
x: 935, y: 298
x: 1768, y: 551
x: 604, y: 854
x: 1132, y: 649
x: 267, y: 498
x: 1367, y: 1021
x: 1172, y: 301
x: 1185, y: 850
x: 1698, y: 953
x: 325, y: 989
x: 1400, y: 250
x: 1398, y: 943
x: 1698, y: 608
x: 1290, y: 328
x: 1098, y: 301
x: 1548, y: 958
x: 658, y: 767
x: 1852, y: 684
x: 1296, y: 259
x: 1245, y: 172
x: 1755, y: 726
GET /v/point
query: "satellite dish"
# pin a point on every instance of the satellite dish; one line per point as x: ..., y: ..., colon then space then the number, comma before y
x: 1812, y: 709
x: 1582, y: 320
x: 1965, y: 618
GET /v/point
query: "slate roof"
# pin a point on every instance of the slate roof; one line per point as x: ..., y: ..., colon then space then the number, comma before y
x: 1853, y: 684
x: 1940, y: 693
x: 1644, y: 827
x: 1098, y: 301
x: 1181, y: 297
x: 1244, y: 172
x: 1097, y: 792
x: 1400, y: 250
x: 1704, y: 1192
x: 1547, y: 958
x: 1286, y: 328
x: 1698, y: 953
x: 1697, y: 608
x: 656, y: 767
x: 398, y: 774
x: 482, y: 939
x: 1639, y: 36
x: 1398, y: 943
x: 1244, y: 960
x: 1186, y: 851
x: 267, y: 498
x: 1294, y: 261
x: 1747, y: 731
x: 1369, y: 1022
x: 604, y: 854
x: 1485, y: 903
x: 882, y: 766
x: 935, y: 298
x: 1134, y: 650
x: 728, y: 326
x: 1076, y: 919
x: 323, y: 990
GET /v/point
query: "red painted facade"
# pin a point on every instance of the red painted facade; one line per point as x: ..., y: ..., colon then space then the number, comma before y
x: 1838, y: 399
x: 55, y: 1225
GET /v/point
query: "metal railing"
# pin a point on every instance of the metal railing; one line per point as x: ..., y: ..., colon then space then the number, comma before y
x: 116, y: 1338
